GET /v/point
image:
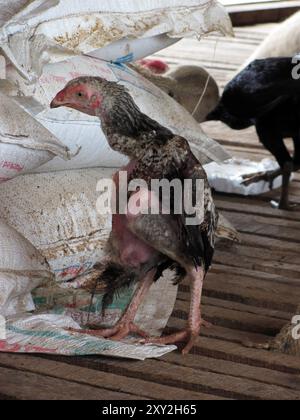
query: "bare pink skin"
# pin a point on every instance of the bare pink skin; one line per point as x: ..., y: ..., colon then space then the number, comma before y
x: 133, y: 251
x: 88, y: 104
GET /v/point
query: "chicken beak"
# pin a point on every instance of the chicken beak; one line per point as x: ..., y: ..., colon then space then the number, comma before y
x: 59, y: 100
x: 55, y: 104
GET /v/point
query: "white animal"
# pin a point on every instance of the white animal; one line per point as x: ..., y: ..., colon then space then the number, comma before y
x: 283, y: 41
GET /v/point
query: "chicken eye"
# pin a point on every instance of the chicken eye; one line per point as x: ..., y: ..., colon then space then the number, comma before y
x: 80, y: 94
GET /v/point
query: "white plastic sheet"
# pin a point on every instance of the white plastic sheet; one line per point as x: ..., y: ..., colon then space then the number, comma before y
x: 228, y: 177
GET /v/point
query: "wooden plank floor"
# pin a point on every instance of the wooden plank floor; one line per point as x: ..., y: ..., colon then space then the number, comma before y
x: 251, y: 292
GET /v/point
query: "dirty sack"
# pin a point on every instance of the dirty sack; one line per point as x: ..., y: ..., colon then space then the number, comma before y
x: 39, y: 312
x: 24, y: 143
x: 38, y: 32
x: 42, y: 42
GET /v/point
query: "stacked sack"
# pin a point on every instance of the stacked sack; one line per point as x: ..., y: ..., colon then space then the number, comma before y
x: 22, y: 269
x: 24, y: 145
x: 52, y: 160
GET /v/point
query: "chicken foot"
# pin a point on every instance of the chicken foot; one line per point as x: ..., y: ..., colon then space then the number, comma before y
x: 270, y: 176
x: 195, y: 321
x: 126, y: 324
x: 286, y: 177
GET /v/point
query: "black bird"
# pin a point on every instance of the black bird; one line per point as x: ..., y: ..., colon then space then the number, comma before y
x: 266, y: 94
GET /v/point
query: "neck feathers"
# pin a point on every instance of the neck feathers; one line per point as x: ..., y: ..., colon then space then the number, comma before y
x: 126, y: 117
x: 128, y: 130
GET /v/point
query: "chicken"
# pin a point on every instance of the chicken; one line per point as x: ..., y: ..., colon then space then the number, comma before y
x: 191, y: 86
x: 288, y: 340
x: 267, y: 95
x: 154, y: 66
x: 143, y: 245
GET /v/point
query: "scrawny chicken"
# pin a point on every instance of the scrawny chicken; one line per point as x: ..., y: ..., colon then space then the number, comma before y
x: 142, y: 246
x: 267, y: 95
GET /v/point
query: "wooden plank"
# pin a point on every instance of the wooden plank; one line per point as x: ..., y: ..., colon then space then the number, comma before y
x: 280, y: 293
x: 30, y: 386
x: 249, y: 273
x: 270, y: 243
x: 236, y: 352
x: 238, y: 288
x: 213, y: 52
x: 221, y: 333
x: 193, y: 379
x: 239, y: 307
x: 257, y: 32
x: 7, y: 398
x: 262, y: 12
x: 289, y: 257
x: 242, y: 321
x: 271, y: 266
x: 240, y: 354
x: 230, y: 137
x: 254, y: 206
x: 265, y: 227
x: 263, y: 375
x: 290, y: 260
x: 238, y: 141
x: 102, y: 380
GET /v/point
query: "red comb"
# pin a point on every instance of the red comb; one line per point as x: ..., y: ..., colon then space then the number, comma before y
x: 156, y: 66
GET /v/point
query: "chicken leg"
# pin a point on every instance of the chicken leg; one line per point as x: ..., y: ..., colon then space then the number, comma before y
x: 195, y: 321
x: 126, y: 325
x: 268, y: 176
x: 286, y: 177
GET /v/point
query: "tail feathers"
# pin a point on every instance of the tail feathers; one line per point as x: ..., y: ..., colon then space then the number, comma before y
x: 115, y: 277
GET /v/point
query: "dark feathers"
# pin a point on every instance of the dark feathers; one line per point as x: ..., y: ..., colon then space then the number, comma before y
x: 128, y: 120
x: 117, y: 278
x: 255, y: 92
x: 266, y: 94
